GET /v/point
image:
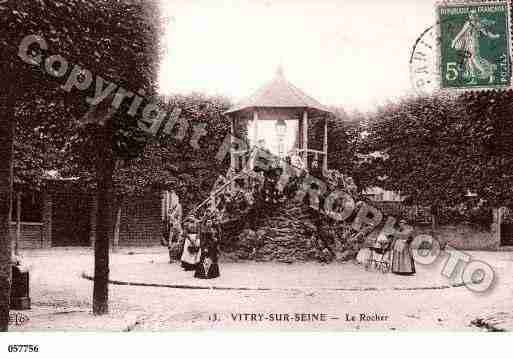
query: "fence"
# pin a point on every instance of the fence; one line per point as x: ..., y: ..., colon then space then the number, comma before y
x: 413, y: 214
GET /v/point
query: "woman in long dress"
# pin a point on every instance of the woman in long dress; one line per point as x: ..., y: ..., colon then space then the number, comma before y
x: 175, y: 233
x: 208, y: 267
x: 402, y: 257
x: 191, y: 254
x: 175, y: 222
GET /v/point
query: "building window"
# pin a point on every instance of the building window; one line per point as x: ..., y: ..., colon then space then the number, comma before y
x: 31, y: 207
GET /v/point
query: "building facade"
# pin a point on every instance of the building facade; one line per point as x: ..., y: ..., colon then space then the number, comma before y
x: 61, y: 214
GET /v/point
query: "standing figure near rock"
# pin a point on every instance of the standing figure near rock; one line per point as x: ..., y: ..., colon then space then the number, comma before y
x: 402, y: 257
x: 191, y: 250
x: 175, y: 221
x: 208, y: 267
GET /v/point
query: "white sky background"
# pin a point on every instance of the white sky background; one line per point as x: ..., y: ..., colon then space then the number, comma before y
x: 350, y: 53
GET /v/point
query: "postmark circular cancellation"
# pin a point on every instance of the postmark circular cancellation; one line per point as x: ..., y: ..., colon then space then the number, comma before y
x: 468, y: 48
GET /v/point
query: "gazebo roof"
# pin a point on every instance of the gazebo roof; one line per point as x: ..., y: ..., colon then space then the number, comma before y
x: 278, y: 93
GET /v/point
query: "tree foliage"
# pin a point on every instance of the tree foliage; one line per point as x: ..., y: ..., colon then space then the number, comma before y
x: 490, y: 136
x: 438, y: 150
x: 117, y: 41
x: 181, y: 160
x: 343, y: 139
x: 417, y: 147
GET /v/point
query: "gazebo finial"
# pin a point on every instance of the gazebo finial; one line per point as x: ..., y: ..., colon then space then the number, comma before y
x: 279, y: 71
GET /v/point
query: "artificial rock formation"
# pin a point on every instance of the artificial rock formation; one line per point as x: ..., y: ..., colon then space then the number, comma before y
x: 259, y: 222
x: 291, y: 232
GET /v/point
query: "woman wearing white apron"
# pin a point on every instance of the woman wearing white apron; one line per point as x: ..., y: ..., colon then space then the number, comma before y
x: 191, y: 249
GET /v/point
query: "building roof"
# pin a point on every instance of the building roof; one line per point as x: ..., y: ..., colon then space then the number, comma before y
x: 278, y: 92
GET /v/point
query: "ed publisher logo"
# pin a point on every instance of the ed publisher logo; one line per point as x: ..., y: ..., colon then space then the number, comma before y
x: 18, y: 319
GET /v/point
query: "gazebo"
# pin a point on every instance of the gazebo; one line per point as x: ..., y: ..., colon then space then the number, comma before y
x: 282, y: 119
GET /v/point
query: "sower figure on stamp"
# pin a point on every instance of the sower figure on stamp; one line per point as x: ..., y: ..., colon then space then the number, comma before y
x: 467, y: 42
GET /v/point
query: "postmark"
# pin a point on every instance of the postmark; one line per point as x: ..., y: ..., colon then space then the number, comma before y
x: 424, y: 69
x: 474, y: 45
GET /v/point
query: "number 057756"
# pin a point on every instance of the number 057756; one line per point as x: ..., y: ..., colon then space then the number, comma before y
x: 23, y: 348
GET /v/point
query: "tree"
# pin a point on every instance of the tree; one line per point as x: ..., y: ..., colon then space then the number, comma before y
x: 344, y: 134
x: 116, y: 44
x: 437, y: 150
x: 490, y: 136
x: 419, y: 147
x: 41, y: 141
x: 6, y: 143
x: 182, y: 159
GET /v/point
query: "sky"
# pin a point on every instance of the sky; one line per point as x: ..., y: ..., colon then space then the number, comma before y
x: 349, y: 53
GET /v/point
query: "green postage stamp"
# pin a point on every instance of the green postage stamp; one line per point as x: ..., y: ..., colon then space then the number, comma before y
x: 475, y: 43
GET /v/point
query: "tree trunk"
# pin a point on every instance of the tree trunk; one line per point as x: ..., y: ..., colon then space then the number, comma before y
x: 18, y: 224
x: 6, y: 153
x: 104, y: 177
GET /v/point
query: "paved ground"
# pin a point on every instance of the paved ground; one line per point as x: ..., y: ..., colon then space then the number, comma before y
x: 155, y: 270
x: 335, y: 292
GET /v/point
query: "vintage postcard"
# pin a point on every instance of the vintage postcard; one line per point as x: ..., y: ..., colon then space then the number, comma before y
x: 255, y: 165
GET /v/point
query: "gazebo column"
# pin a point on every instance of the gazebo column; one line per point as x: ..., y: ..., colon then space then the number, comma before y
x: 305, y: 138
x: 255, y: 129
x: 325, y: 146
x: 254, y: 139
x: 232, y: 138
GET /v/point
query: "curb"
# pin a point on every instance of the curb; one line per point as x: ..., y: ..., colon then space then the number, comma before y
x: 299, y: 289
